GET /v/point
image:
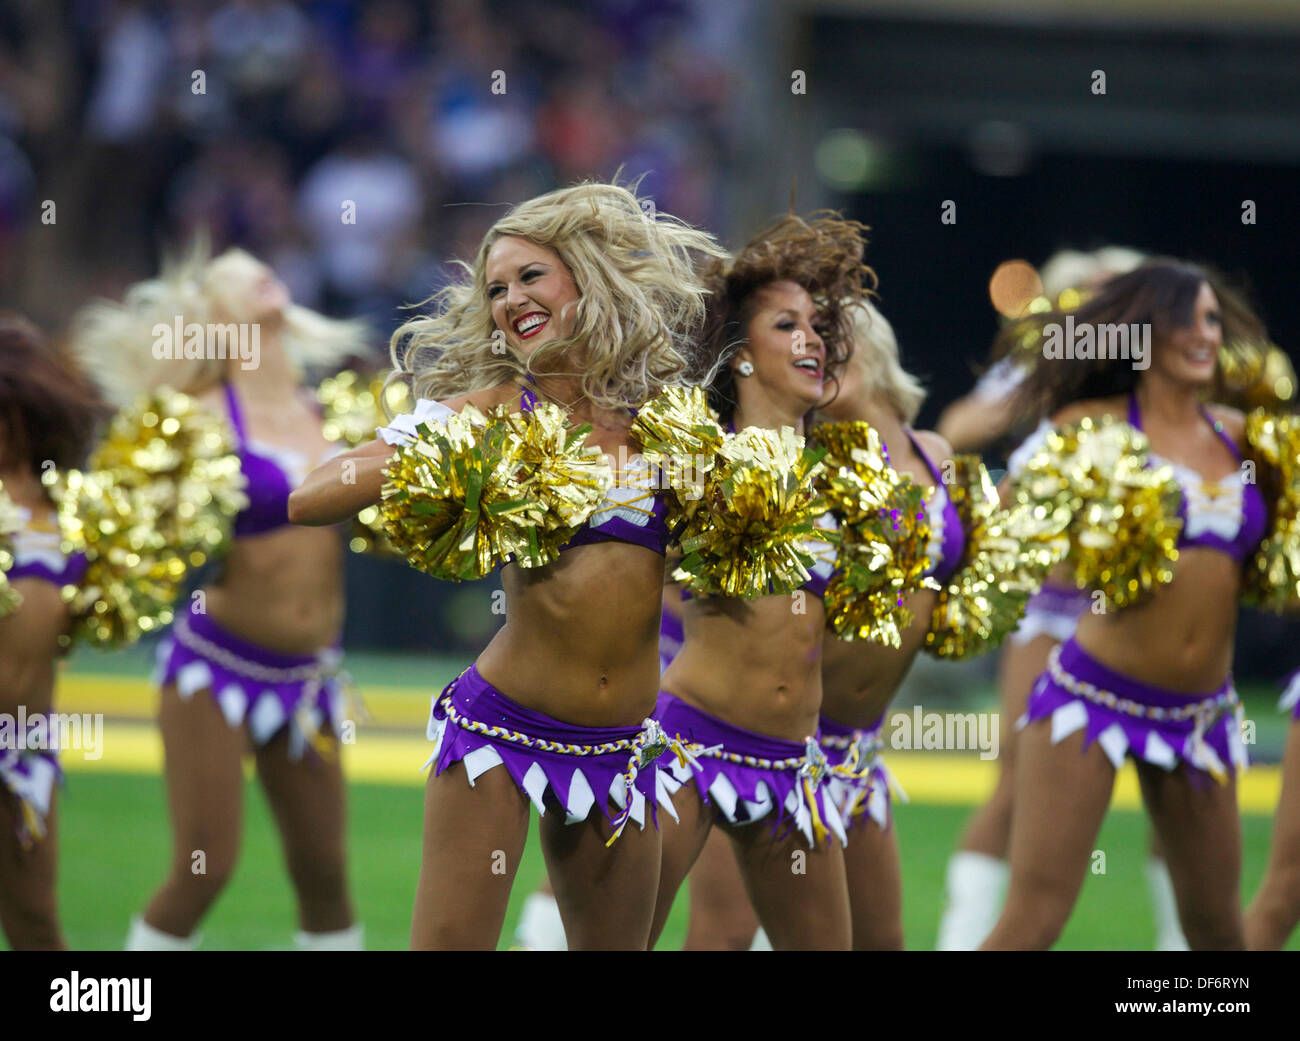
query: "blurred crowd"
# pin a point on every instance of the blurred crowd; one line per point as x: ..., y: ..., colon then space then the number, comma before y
x: 356, y: 145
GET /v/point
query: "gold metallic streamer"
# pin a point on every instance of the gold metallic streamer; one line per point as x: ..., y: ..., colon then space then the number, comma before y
x: 739, y: 504
x: 1256, y: 375
x: 884, y: 535
x: 556, y: 472
x: 481, y: 490
x: 756, y: 504
x: 158, y: 498
x: 1007, y: 555
x: 352, y: 406
x: 1121, y: 516
x: 1272, y: 577
x: 679, y: 434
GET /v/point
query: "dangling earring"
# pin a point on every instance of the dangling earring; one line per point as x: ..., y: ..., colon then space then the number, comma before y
x: 745, y: 368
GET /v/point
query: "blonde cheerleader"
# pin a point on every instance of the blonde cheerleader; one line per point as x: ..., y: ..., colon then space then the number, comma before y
x: 253, y: 657
x: 578, y: 308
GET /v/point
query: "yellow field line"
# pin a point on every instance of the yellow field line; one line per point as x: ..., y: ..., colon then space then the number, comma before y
x: 928, y: 777
x: 135, y: 697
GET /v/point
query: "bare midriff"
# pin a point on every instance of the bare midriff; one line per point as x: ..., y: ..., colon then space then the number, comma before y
x: 1180, y: 639
x: 754, y: 664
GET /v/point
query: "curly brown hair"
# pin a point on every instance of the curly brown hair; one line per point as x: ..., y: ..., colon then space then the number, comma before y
x: 822, y: 253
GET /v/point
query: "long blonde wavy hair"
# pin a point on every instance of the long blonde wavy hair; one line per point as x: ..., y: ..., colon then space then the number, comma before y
x: 641, y: 303
x: 113, y: 339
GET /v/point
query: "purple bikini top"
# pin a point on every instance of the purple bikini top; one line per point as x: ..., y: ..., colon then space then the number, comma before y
x: 1229, y: 516
x: 947, y: 539
x: 271, y: 472
x: 636, y: 512
x: 37, y: 554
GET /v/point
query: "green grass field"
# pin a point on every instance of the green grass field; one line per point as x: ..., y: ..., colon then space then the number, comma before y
x: 114, y: 848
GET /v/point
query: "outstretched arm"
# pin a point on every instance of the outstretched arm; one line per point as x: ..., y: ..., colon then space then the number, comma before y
x: 341, y: 487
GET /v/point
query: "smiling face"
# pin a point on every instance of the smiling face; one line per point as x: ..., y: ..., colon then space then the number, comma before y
x: 785, y: 346
x: 1189, y: 353
x: 531, y: 293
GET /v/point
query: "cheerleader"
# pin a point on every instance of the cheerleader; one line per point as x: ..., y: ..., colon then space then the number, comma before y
x: 977, y: 872
x: 253, y: 658
x: 1146, y: 677
x: 860, y: 677
x: 578, y: 303
x: 47, y: 415
x: 747, y: 683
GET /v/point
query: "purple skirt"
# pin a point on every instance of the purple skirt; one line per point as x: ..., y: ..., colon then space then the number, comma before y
x: 1290, y: 700
x: 266, y: 689
x: 1053, y: 611
x: 1128, y: 717
x: 747, y: 776
x: 576, y: 767
x: 867, y: 788
x: 31, y: 775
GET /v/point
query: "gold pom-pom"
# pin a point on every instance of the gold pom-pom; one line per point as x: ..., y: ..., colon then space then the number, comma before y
x: 679, y: 434
x: 1256, y: 375
x: 1272, y: 577
x: 878, y: 567
x: 132, y: 576
x: 857, y: 480
x: 158, y: 498
x: 447, y: 505
x: 476, y: 491
x: 1121, y: 516
x: 352, y: 406
x: 756, y: 503
x: 10, y: 522
x: 554, y: 471
x: 884, y: 535
x: 1006, y: 557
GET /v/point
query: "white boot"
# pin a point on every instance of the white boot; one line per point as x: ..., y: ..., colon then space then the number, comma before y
x: 540, y: 927
x: 144, y: 937
x: 977, y: 884
x: 353, y: 938
x: 1164, y: 907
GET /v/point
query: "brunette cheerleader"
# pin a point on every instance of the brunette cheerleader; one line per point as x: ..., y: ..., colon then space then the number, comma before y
x: 1149, y: 676
x: 747, y: 683
x: 47, y: 416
